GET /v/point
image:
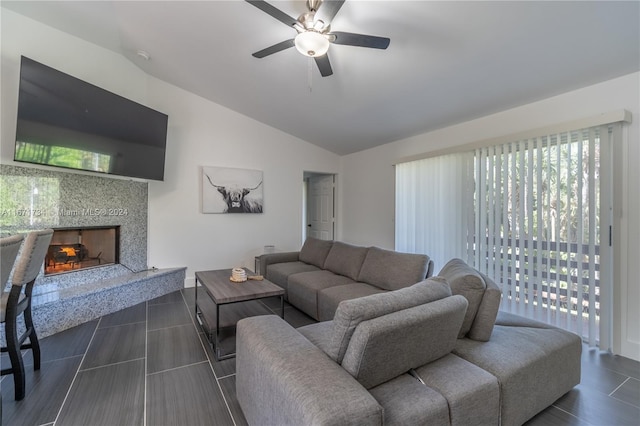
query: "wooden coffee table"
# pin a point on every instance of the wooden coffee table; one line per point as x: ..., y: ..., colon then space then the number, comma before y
x: 222, y: 291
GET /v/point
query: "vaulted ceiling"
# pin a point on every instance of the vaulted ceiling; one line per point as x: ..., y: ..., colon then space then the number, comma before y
x: 448, y: 61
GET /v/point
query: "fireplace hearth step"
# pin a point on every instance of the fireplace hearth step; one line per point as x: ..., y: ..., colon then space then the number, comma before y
x: 55, y: 310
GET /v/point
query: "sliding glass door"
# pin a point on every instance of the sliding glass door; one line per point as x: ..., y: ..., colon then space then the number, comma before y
x: 534, y: 214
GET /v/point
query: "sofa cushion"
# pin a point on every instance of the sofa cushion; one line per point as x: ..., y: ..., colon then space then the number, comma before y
x: 315, y: 251
x: 472, y: 394
x: 266, y: 259
x: 318, y: 333
x: 468, y: 282
x: 391, y: 270
x: 385, y: 347
x: 534, y: 366
x: 303, y: 289
x: 406, y: 401
x: 513, y: 320
x: 330, y: 298
x: 345, y: 259
x: 278, y: 273
x: 351, y: 313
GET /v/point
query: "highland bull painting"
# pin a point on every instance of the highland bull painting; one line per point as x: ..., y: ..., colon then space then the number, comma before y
x: 229, y: 190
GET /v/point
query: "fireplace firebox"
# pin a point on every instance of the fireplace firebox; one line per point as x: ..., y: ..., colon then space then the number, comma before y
x: 74, y: 249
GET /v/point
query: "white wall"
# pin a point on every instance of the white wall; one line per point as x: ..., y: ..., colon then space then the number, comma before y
x: 200, y: 133
x: 367, y: 205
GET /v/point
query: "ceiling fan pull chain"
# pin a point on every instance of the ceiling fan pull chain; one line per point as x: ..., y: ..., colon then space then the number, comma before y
x: 310, y: 74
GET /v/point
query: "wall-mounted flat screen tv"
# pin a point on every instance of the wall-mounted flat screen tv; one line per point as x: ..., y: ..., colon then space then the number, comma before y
x: 66, y: 122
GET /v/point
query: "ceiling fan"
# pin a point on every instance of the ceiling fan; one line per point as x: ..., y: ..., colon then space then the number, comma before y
x: 314, y: 32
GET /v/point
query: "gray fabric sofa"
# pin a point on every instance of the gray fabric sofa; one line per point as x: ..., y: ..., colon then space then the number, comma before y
x: 324, y: 273
x: 415, y: 355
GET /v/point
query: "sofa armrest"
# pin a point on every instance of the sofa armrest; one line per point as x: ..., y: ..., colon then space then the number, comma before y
x: 283, y: 379
x: 269, y: 258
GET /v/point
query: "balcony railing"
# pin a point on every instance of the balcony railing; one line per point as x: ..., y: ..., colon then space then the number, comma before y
x: 546, y: 273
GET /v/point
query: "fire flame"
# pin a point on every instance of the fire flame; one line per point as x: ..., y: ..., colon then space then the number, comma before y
x: 70, y: 251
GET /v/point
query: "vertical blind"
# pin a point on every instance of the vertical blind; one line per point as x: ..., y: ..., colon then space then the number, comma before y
x: 433, y: 199
x: 533, y: 214
x: 538, y: 226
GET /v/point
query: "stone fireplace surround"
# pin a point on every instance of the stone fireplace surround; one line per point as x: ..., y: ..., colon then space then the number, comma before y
x: 53, y: 199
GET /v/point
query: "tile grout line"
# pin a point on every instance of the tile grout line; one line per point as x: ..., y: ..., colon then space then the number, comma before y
x: 569, y: 413
x: 177, y: 368
x: 227, y: 376
x: 616, y: 389
x: 53, y: 360
x: 110, y: 365
x: 164, y: 303
x: 193, y: 321
x: 75, y: 376
x: 121, y: 325
x: 167, y: 328
x: 608, y: 367
x: 622, y: 400
x: 146, y: 361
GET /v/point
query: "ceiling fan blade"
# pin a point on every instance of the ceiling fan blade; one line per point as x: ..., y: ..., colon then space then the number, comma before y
x: 324, y: 65
x: 360, y: 40
x: 273, y: 11
x: 274, y: 49
x: 327, y: 10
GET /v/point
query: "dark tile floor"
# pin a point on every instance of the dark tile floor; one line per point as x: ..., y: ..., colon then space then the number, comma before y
x: 150, y: 365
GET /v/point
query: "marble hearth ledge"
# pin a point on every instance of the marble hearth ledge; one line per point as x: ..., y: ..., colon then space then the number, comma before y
x: 57, y: 309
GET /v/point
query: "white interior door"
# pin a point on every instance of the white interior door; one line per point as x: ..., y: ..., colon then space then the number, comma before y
x: 320, y: 216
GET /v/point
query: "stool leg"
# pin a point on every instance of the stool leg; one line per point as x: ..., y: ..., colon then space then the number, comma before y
x: 34, y: 343
x: 33, y: 338
x: 17, y: 367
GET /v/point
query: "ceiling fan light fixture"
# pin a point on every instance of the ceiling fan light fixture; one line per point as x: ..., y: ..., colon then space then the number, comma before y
x: 312, y: 43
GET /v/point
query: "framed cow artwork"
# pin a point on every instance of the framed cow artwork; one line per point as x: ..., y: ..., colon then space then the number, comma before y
x: 229, y: 190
